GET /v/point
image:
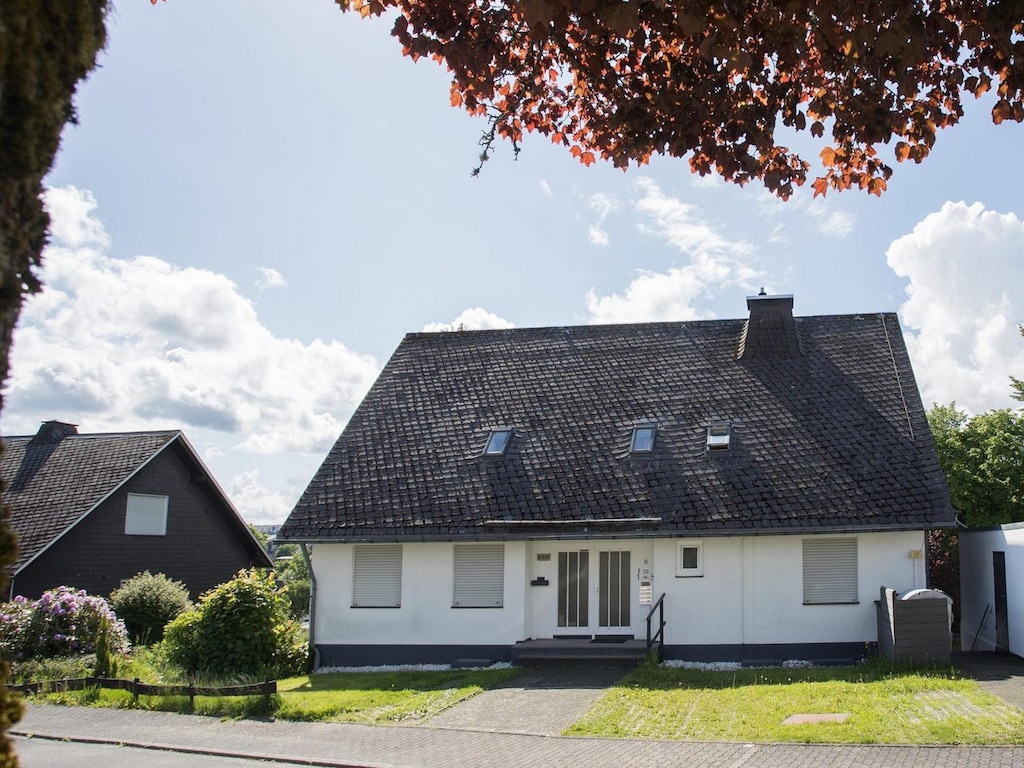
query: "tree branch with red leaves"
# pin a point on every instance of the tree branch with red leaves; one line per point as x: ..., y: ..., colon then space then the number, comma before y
x: 717, y: 82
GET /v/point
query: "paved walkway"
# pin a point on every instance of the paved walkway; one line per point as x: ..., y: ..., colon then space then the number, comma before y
x: 456, y: 740
x: 1001, y: 674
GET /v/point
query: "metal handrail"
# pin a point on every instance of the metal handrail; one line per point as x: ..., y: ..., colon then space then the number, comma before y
x: 659, y: 636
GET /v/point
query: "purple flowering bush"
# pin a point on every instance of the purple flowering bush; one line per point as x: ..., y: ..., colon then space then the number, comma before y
x: 62, y: 622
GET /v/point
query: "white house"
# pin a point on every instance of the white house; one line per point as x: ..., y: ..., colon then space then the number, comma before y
x: 992, y: 589
x: 499, y: 491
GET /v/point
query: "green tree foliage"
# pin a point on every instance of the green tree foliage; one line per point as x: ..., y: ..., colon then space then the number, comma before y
x: 146, y: 603
x: 294, y: 573
x: 241, y: 628
x: 982, y: 457
x: 983, y: 460
x: 1018, y: 384
x: 46, y: 48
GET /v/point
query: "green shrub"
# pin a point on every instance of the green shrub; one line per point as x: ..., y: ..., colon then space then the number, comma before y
x: 241, y: 628
x: 146, y: 603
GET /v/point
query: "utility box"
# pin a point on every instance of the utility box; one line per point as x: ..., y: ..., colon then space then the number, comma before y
x: 916, y: 627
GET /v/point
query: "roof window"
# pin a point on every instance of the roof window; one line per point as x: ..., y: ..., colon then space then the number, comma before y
x: 719, y: 436
x: 497, y: 442
x: 643, y: 438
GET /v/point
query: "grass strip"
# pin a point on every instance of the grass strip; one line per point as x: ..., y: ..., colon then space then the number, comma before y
x: 886, y: 705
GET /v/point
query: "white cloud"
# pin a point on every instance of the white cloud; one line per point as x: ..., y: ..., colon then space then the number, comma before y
x: 716, y: 263
x: 270, y: 278
x: 831, y: 223
x: 963, y: 304
x: 546, y: 189
x: 472, y: 319
x: 257, y: 503
x: 142, y: 342
x: 603, y: 205
x: 73, y: 221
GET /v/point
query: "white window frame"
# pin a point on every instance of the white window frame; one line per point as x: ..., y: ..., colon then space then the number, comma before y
x: 478, y: 575
x: 377, y: 576
x: 145, y: 515
x: 830, y: 571
x: 681, y: 570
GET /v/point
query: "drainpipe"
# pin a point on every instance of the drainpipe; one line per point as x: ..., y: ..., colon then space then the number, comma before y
x: 312, y: 605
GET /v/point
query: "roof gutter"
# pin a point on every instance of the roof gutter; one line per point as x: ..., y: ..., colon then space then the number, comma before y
x: 313, y: 650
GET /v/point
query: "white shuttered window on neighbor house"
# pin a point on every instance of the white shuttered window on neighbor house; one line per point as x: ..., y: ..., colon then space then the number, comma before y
x: 479, y: 580
x: 830, y: 571
x: 377, y: 580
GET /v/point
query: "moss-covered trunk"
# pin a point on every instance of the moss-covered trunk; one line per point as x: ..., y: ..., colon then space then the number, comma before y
x: 46, y: 48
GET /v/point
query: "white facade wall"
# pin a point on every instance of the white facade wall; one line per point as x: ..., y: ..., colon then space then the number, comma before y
x: 751, y: 593
x: 977, y: 587
x: 426, y: 616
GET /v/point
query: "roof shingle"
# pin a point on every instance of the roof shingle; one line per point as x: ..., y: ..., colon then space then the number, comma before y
x: 827, y: 434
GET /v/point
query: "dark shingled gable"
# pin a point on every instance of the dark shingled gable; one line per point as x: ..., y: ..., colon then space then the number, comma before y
x: 57, y: 477
x: 828, y: 435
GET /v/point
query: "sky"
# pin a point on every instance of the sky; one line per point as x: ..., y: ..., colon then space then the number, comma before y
x: 260, y: 199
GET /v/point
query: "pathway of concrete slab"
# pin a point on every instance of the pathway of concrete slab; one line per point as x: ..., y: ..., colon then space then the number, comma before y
x: 1001, y: 674
x: 545, y: 699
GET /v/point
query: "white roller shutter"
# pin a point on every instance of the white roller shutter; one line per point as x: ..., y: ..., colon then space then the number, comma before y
x: 479, y: 576
x: 830, y: 571
x: 377, y: 581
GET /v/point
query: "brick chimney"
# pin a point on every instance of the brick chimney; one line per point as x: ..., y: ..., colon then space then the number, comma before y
x: 770, y: 333
x: 52, y: 432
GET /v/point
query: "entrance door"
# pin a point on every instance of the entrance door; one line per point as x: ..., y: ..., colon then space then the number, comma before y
x: 602, y: 609
x: 999, y: 581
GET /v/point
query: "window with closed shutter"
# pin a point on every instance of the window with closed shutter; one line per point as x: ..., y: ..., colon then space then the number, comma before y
x: 377, y: 581
x: 830, y: 571
x: 479, y: 576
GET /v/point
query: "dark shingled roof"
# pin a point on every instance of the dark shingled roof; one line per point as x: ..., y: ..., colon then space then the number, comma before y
x: 58, y: 476
x: 828, y: 434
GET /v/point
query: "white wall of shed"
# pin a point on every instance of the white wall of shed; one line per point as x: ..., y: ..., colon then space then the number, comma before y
x: 977, y: 587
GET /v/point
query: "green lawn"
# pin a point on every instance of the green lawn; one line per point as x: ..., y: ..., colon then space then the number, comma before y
x: 884, y: 706
x: 355, y: 697
x: 381, y: 697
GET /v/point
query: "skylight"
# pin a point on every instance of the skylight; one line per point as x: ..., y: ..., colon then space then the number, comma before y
x: 643, y: 438
x: 497, y: 442
x: 719, y: 436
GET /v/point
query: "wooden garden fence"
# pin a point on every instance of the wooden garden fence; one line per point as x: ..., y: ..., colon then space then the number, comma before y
x: 136, y: 688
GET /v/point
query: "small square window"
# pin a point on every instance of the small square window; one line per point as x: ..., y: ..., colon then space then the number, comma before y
x: 145, y: 515
x: 719, y: 436
x: 690, y: 559
x: 643, y: 438
x: 497, y: 442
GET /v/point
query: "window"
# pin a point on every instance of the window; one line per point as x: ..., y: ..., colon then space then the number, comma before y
x: 145, y: 515
x: 377, y: 580
x: 690, y: 559
x: 643, y: 438
x: 479, y: 576
x: 719, y: 436
x: 830, y: 571
x: 497, y: 442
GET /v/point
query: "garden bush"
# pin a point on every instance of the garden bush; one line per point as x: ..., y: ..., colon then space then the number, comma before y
x: 62, y: 622
x: 146, y: 603
x: 241, y: 628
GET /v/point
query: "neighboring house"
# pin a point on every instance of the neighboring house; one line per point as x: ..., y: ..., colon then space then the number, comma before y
x: 992, y: 588
x: 767, y: 476
x: 93, y: 510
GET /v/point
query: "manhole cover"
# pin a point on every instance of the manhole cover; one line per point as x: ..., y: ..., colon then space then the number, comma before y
x: 837, y: 717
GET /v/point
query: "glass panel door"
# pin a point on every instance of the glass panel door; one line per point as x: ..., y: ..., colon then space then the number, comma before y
x: 574, y: 589
x: 613, y: 589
